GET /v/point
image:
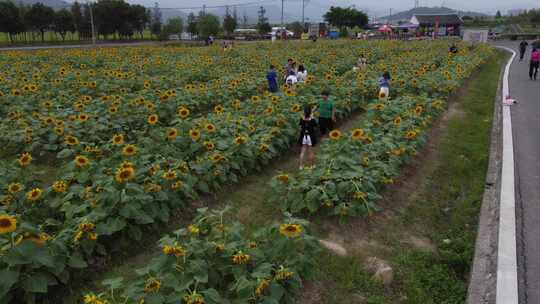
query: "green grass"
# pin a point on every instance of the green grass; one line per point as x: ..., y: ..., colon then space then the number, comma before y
x: 444, y: 208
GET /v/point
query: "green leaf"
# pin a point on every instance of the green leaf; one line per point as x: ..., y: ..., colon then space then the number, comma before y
x: 37, y: 283
x: 114, y: 283
x: 76, y: 261
x: 7, y: 279
x: 111, y: 226
x: 64, y: 153
x: 212, y: 296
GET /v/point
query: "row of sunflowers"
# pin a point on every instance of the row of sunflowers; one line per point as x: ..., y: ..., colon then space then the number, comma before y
x: 352, y: 169
x: 110, y: 142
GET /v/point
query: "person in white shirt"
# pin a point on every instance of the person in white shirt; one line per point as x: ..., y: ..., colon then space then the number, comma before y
x: 291, y: 79
x: 301, y: 75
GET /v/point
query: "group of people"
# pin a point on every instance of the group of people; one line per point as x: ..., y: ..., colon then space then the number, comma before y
x: 291, y: 75
x: 534, y: 63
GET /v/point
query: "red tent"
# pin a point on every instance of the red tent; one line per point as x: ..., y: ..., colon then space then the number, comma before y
x: 385, y: 28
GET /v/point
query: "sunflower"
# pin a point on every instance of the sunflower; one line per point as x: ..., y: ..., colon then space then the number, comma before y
x: 152, y: 285
x: 269, y: 111
x: 113, y: 110
x: 410, y: 135
x: 7, y: 224
x: 283, y: 274
x: 129, y: 150
x: 170, y: 175
x: 58, y: 130
x: 290, y: 92
x: 284, y: 178
x: 359, y: 195
x: 255, y: 99
x: 59, y: 186
x: 365, y: 161
x: 117, y: 139
x: 194, y: 134
x: 177, y: 251
x: 219, y: 109
x: 25, y: 159
x: 152, y: 119
x: 240, y: 140
x: 216, y: 158
x: 357, y: 134
x: 83, y: 117
x: 418, y: 110
x: 241, y: 258
x: 210, y: 127
x: 296, y: 108
x: 34, y: 194
x: 290, y: 230
x: 263, y: 285
x: 397, y: 121
x: 264, y: 147
x: 172, y: 133
x: 177, y: 185
x: 183, y: 112
x: 14, y: 188
x: 209, y: 145
x: 127, y: 164
x: 335, y: 134
x: 328, y: 77
x: 124, y: 174
x: 194, y: 298
x: 274, y: 98
x: 81, y: 161
x: 382, y: 95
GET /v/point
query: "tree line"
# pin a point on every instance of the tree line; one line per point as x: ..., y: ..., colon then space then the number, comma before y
x: 121, y: 20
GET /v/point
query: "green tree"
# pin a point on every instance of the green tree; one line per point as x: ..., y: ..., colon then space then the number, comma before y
x: 229, y: 23
x: 155, y: 26
x: 346, y: 17
x: 174, y: 26
x: 40, y: 18
x: 208, y: 25
x: 262, y: 22
x: 10, y: 19
x: 63, y: 23
x: 139, y: 18
x: 77, y: 14
x: 297, y: 28
x: 192, y: 24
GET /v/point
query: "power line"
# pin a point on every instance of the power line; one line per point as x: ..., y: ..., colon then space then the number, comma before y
x: 220, y: 6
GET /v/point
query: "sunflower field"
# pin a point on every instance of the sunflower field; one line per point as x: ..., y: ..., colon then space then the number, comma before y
x: 107, y: 144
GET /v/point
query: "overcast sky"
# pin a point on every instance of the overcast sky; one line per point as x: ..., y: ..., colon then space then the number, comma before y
x: 373, y: 7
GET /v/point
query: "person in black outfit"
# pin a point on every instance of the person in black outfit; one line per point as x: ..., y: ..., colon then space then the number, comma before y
x: 522, y: 48
x: 308, y: 136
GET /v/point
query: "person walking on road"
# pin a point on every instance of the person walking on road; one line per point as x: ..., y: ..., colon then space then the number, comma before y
x: 308, y: 137
x: 535, y: 64
x: 522, y: 49
x: 271, y: 76
x: 327, y: 113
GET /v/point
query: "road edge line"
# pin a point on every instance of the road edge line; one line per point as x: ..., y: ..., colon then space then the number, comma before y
x: 507, y: 283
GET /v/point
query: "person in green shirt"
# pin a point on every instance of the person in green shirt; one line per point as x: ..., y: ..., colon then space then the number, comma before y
x: 327, y: 113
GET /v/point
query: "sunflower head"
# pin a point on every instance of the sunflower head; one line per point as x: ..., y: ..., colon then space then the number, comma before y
x: 335, y: 134
x: 83, y: 117
x: 410, y: 135
x: 129, y: 150
x: 170, y: 175
x: 284, y: 178
x: 255, y: 98
x: 59, y: 186
x: 81, y: 161
x: 34, y: 194
x: 7, y: 223
x: 209, y: 145
x: 357, y: 134
x: 290, y: 230
x: 397, y: 121
x: 152, y: 285
x: 239, y: 140
x: 210, y: 127
x: 117, y: 139
x: 219, y: 109
x: 183, y: 112
x: 124, y: 174
x: 195, y: 134
x: 241, y: 258
x: 14, y: 188
x: 25, y: 159
x: 153, y: 119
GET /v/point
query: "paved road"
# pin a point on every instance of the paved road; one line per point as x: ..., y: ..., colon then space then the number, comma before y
x: 526, y: 129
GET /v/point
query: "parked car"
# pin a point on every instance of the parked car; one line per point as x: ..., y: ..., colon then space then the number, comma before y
x: 174, y: 37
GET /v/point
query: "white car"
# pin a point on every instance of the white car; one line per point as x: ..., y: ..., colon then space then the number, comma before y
x: 174, y: 37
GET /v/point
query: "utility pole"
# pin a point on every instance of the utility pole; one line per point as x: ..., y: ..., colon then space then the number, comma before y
x: 204, y: 9
x: 282, y: 1
x: 92, y: 23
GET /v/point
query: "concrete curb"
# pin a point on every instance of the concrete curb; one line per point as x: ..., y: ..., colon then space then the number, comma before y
x: 482, y: 284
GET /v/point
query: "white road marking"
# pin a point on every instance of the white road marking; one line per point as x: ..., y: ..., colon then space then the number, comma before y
x: 507, y: 282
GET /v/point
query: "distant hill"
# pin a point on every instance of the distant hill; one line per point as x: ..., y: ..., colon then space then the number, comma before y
x: 407, y: 15
x: 55, y: 4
